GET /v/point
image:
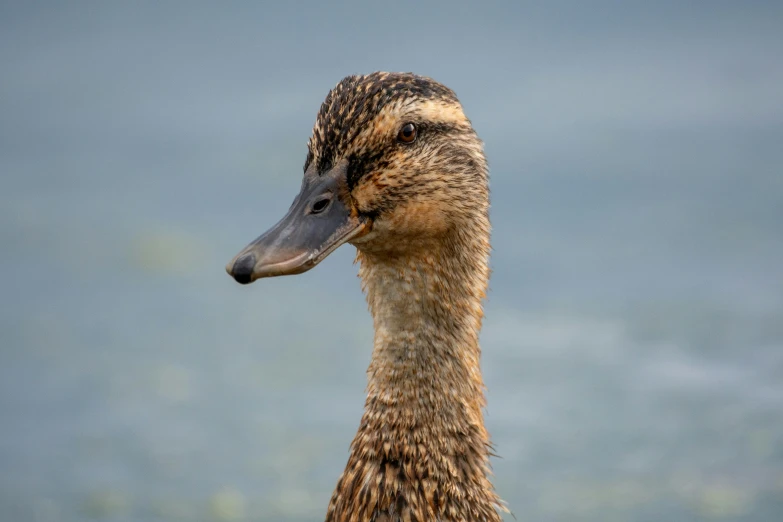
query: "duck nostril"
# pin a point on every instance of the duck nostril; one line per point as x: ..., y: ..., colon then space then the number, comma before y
x: 320, y: 205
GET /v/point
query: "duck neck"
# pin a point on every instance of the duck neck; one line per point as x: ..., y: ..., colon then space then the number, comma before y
x: 422, y: 445
x: 427, y: 311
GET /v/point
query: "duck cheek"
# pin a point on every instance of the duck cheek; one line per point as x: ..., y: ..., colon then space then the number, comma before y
x: 418, y: 219
x: 368, y: 194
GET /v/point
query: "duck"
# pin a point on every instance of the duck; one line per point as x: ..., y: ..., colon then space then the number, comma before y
x: 395, y: 169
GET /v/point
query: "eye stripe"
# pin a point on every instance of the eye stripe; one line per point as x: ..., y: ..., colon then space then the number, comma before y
x: 440, y: 127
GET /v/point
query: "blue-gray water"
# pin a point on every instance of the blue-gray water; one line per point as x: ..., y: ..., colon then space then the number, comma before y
x: 633, y: 347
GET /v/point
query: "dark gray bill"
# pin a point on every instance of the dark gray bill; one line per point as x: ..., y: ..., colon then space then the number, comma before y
x: 317, y: 223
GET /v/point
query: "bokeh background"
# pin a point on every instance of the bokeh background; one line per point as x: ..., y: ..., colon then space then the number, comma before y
x: 633, y: 346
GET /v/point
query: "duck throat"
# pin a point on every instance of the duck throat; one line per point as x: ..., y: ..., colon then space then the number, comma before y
x: 422, y: 451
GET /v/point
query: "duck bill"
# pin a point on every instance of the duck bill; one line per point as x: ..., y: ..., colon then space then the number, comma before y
x: 310, y: 231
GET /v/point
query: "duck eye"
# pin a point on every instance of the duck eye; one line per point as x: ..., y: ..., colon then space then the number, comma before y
x: 407, y: 133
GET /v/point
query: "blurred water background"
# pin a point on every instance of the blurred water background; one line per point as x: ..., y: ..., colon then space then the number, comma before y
x: 633, y: 346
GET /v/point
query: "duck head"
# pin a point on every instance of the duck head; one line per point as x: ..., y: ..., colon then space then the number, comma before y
x: 393, y: 165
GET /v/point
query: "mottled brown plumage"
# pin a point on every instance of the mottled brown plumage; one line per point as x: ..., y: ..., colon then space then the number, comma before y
x: 418, y: 215
x: 421, y: 452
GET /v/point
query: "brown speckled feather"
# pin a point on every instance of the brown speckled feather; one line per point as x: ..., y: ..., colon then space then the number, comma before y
x: 421, y: 452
